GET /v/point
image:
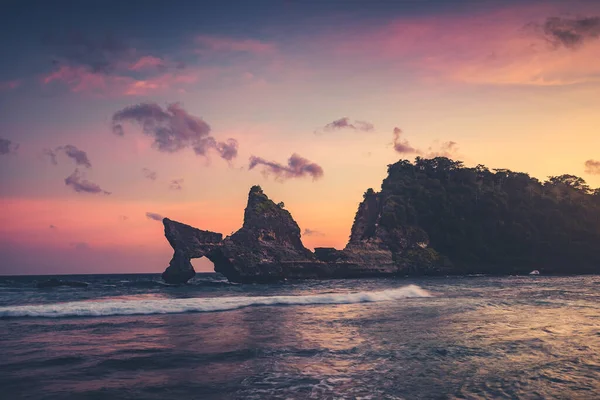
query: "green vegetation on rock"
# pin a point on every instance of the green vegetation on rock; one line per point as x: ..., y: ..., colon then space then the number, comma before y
x: 492, y: 221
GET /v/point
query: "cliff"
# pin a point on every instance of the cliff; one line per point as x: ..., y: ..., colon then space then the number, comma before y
x: 432, y: 217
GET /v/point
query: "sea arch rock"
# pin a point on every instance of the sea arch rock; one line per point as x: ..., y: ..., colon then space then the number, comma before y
x: 187, y: 242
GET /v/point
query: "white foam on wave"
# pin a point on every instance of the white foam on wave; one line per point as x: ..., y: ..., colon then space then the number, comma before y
x: 172, y: 306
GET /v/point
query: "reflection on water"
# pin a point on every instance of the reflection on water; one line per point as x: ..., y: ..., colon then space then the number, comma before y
x: 477, y: 339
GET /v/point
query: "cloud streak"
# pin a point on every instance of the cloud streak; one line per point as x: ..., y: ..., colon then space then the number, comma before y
x: 154, y: 216
x: 81, y: 185
x: 297, y: 167
x: 345, y: 123
x: 173, y: 129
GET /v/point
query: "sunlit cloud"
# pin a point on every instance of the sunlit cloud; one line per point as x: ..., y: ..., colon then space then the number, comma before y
x: 147, y: 62
x: 79, y: 79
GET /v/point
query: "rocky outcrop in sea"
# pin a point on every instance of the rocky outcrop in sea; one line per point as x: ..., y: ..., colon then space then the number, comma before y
x: 268, y: 247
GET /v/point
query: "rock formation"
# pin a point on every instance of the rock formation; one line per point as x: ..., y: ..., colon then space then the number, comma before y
x: 187, y: 242
x: 432, y: 217
x: 268, y: 247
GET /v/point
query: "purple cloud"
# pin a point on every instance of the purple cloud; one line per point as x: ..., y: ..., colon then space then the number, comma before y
x: 154, y: 216
x: 296, y: 167
x: 571, y: 32
x: 173, y: 129
x: 402, y: 146
x: 7, y: 146
x: 344, y: 123
x: 79, y: 184
x: 228, y: 150
x: 79, y: 156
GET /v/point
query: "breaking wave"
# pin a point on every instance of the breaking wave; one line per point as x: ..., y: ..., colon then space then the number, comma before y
x: 173, y: 306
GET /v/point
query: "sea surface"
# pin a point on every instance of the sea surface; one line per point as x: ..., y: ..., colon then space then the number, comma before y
x: 132, y: 337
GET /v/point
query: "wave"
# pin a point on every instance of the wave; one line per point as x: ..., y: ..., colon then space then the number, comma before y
x: 173, y: 306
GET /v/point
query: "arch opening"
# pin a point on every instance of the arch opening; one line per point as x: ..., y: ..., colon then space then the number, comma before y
x: 202, y: 265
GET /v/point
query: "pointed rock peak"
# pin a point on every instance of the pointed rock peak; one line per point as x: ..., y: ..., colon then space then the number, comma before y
x: 267, y: 221
x: 260, y: 206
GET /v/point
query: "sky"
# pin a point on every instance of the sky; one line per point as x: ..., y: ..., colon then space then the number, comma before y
x: 114, y: 114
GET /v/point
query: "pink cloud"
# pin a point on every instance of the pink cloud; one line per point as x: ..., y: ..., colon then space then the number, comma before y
x: 504, y: 46
x: 147, y: 62
x: 226, y: 44
x: 79, y: 79
x: 162, y: 82
x: 10, y: 85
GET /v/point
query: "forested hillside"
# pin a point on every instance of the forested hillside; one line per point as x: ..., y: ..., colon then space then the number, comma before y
x: 494, y: 221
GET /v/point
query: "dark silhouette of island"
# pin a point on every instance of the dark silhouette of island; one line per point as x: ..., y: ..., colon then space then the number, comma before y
x: 431, y: 217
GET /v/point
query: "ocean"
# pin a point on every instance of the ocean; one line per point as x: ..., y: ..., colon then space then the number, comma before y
x: 132, y: 337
